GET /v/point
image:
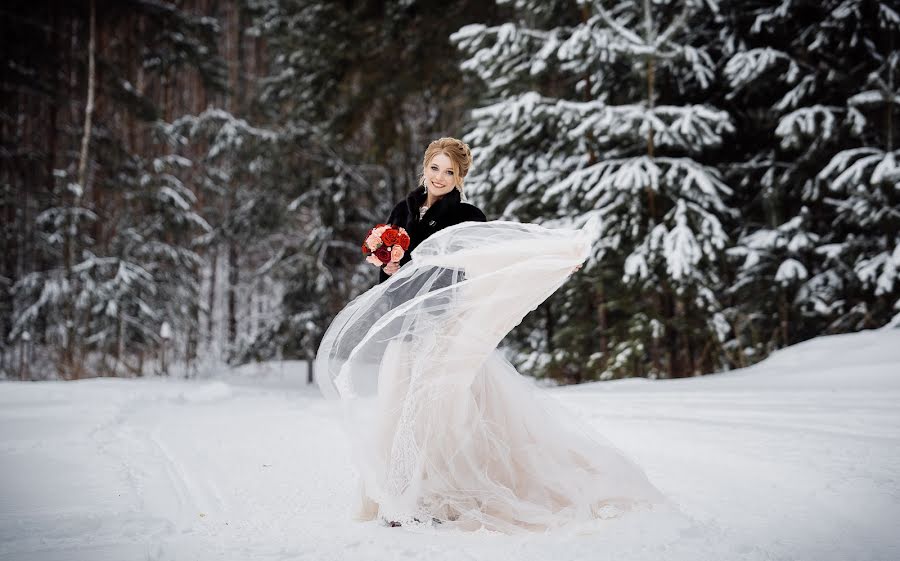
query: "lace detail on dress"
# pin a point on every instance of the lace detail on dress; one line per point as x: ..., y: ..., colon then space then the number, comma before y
x: 403, y: 447
x: 404, y: 451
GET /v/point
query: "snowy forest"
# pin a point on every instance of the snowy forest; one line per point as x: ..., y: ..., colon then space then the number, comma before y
x: 185, y: 185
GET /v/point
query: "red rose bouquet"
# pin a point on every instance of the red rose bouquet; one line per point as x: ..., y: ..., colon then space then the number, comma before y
x: 385, y: 243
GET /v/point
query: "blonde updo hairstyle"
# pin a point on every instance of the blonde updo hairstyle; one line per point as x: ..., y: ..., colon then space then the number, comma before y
x: 460, y: 157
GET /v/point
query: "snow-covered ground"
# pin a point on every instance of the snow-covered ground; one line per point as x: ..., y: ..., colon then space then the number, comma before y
x: 797, y: 458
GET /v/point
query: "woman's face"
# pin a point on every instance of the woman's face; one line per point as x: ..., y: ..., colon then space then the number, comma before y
x: 440, y: 178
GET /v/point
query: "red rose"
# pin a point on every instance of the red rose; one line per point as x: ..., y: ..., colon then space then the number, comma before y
x: 365, y: 249
x: 383, y: 254
x: 389, y: 237
x: 403, y: 240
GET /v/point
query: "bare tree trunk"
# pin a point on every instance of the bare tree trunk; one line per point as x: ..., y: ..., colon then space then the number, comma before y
x: 690, y: 360
x: 193, y: 338
x: 664, y: 299
x: 671, y: 330
x: 682, y: 350
x: 120, y: 341
x: 24, y: 359
x: 784, y: 318
x: 89, y: 107
x: 234, y: 102
x: 72, y: 230
x: 656, y: 342
x: 211, y: 302
x: 233, y: 277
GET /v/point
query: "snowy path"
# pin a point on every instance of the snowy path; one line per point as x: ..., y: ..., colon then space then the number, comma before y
x: 797, y: 459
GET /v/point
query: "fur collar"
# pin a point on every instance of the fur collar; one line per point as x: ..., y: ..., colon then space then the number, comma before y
x: 417, y: 197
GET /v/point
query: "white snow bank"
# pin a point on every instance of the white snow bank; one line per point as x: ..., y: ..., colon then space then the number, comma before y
x: 795, y: 458
x: 868, y: 359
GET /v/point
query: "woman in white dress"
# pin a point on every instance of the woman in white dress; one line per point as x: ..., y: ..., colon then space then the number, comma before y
x: 443, y: 428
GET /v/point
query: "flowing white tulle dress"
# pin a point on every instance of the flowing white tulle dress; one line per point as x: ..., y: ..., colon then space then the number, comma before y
x: 443, y: 428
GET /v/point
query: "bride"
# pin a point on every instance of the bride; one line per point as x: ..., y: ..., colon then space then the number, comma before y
x: 444, y: 430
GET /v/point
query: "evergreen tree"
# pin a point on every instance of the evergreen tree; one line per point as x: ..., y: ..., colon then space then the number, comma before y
x: 862, y: 181
x: 111, y: 263
x: 796, y: 73
x: 354, y: 94
x: 606, y: 115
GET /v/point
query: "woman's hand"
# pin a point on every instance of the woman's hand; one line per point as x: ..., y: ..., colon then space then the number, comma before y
x: 391, y: 268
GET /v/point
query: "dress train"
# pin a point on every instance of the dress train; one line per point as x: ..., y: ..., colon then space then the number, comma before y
x: 443, y: 427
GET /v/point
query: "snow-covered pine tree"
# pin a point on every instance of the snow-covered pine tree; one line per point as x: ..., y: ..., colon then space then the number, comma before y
x: 50, y: 305
x: 355, y: 92
x: 110, y: 261
x: 322, y: 199
x: 774, y: 266
x: 238, y: 175
x: 120, y: 292
x: 309, y: 45
x: 862, y: 181
x: 816, y: 78
x: 597, y: 107
x: 773, y: 252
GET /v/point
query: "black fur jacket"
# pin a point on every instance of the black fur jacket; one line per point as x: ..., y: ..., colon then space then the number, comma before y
x: 449, y: 210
